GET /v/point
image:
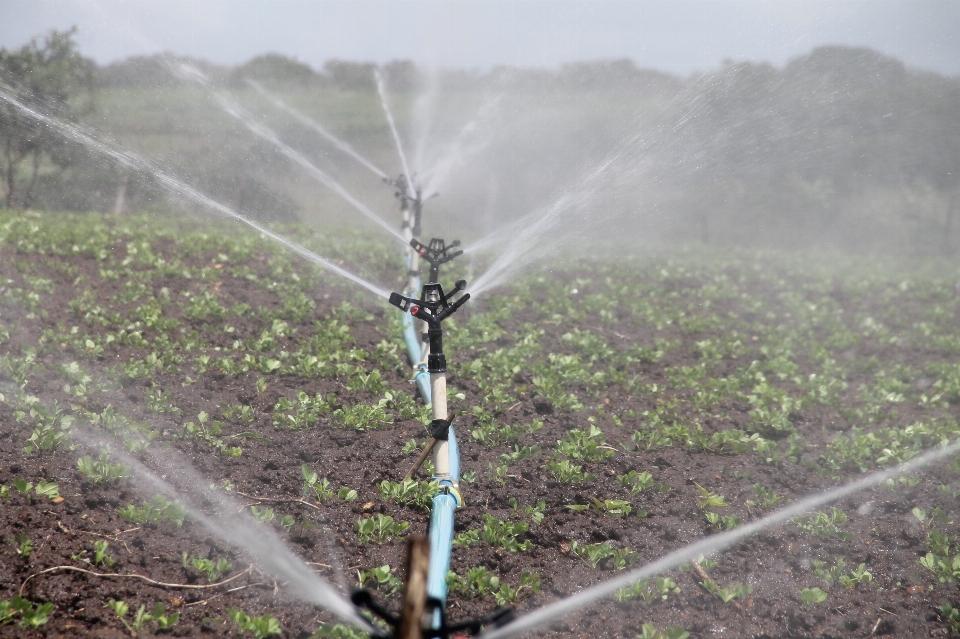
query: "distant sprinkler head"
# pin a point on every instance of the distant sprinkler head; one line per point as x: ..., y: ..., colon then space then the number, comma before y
x: 437, y: 252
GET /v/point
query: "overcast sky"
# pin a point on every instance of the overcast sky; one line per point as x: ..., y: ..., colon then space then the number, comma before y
x: 679, y: 36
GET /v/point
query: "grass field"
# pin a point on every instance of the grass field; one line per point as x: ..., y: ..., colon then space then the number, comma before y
x: 608, y: 411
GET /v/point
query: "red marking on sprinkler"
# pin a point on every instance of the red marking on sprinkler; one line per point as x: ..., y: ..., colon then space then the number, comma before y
x: 422, y: 251
x: 414, y: 309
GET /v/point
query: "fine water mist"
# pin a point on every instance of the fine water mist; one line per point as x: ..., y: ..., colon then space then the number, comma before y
x: 264, y: 132
x: 179, y: 188
x: 228, y: 520
x: 381, y: 89
x: 313, y: 124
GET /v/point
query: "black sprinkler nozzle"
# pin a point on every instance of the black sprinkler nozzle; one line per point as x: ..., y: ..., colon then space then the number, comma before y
x: 436, y: 253
x: 433, y: 307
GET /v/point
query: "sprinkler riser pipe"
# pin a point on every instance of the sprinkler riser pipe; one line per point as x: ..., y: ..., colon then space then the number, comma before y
x: 438, y: 395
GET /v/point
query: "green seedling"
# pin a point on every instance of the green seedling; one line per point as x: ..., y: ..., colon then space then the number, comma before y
x: 347, y: 494
x: 213, y: 570
x: 30, y: 616
x: 379, y: 529
x: 23, y: 545
x: 824, y: 524
x: 765, y: 498
x: 595, y: 554
x: 535, y: 513
x: 158, y: 509
x: 381, y: 578
x: 320, y: 487
x: 478, y: 582
x: 101, y: 471
x: 838, y: 575
x: 637, y: 483
x: 519, y: 454
x: 649, y: 631
x: 950, y: 616
x: 286, y: 522
x: 410, y: 492
x: 811, y: 596
x: 707, y: 499
x: 410, y: 447
x: 611, y: 507
x: 662, y: 587
x: 497, y: 533
x: 589, y: 445
x: 726, y: 595
x: 265, y: 515
x: 338, y: 631
x: 261, y: 627
x: 499, y: 473
x: 567, y: 473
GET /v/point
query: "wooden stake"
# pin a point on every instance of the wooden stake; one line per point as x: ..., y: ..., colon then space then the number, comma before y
x: 422, y: 458
x: 415, y: 590
x: 426, y: 452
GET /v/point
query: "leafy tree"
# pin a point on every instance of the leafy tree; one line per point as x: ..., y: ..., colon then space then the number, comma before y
x: 48, y: 73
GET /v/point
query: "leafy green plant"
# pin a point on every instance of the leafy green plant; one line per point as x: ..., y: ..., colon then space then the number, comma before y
x: 265, y: 515
x: 261, y: 627
x: 637, y: 483
x: 24, y: 546
x: 568, y: 473
x: 101, y: 471
x: 811, y: 596
x: 338, y: 631
x: 951, y: 616
x: 381, y: 578
x: 596, y: 554
x: 662, y: 587
x: 825, y: 524
x: 379, y: 528
x: 535, y: 513
x: 312, y: 482
x: 158, y: 509
x: 31, y: 616
x: 497, y: 533
x: 838, y: 574
x: 589, y: 445
x: 363, y: 416
x: 410, y: 492
x: 649, y: 631
x: 765, y: 498
x: 213, y: 570
x: 611, y: 507
x: 519, y: 453
x: 728, y: 594
x: 479, y: 582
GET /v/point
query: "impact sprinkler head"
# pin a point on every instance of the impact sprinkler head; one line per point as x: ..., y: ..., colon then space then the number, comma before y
x: 403, y: 190
x: 437, y: 253
x: 433, y: 307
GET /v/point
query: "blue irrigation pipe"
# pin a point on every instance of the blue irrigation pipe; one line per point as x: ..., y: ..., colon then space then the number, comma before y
x: 414, y: 346
x: 441, y: 530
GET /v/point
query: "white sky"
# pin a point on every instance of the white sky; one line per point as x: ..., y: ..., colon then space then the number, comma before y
x: 679, y: 36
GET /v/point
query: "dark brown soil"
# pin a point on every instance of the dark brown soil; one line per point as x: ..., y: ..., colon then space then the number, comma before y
x: 901, y: 601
